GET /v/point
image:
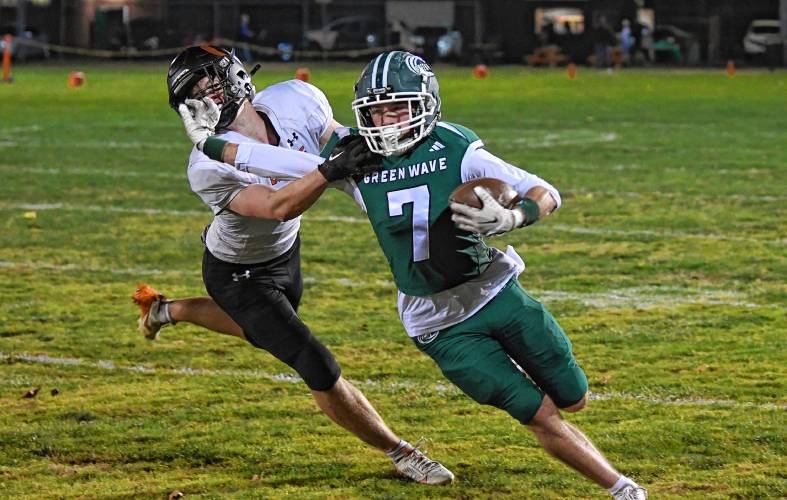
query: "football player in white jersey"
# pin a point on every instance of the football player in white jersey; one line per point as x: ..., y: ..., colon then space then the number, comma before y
x: 251, y: 263
x: 459, y: 299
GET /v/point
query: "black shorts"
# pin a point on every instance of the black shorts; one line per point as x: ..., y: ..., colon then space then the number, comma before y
x: 263, y: 299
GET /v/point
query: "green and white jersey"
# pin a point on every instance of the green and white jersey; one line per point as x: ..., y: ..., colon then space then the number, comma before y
x: 407, y: 204
x: 443, y: 274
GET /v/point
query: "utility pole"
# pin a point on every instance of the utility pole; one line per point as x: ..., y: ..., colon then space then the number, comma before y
x: 783, y: 17
x: 62, y: 35
x: 479, y: 23
x: 216, y: 20
x: 21, y: 24
x: 21, y: 16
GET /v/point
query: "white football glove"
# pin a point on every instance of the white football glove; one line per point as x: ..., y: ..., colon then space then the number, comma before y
x: 492, y: 218
x: 200, y: 117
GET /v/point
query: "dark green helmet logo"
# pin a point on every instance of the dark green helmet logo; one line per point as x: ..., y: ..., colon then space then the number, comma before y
x: 418, y: 65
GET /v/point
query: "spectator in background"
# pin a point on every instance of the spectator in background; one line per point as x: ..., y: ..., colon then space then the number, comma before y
x: 603, y: 40
x: 626, y: 40
x: 639, y: 52
x: 547, y: 35
x: 245, y: 35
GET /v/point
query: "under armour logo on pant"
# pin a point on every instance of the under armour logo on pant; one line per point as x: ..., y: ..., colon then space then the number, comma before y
x: 237, y: 277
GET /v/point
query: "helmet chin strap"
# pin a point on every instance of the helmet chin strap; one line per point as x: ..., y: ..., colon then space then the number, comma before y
x: 227, y: 123
x: 240, y: 108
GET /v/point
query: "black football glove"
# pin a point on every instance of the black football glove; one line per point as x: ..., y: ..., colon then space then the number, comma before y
x: 350, y: 158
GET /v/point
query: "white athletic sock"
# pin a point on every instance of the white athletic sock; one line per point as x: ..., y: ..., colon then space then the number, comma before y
x: 621, y: 483
x: 399, y: 451
x: 163, y: 313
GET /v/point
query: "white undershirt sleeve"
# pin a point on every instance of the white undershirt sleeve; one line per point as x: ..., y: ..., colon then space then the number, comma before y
x: 479, y: 162
x: 350, y: 188
x: 275, y: 162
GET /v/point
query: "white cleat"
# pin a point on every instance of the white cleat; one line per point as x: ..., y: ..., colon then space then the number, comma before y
x: 631, y: 492
x: 418, y: 467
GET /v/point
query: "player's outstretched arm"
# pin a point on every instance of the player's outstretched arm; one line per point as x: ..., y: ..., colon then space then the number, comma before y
x: 201, y: 116
x: 258, y: 200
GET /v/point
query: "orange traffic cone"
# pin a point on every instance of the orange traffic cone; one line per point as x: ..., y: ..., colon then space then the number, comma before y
x: 7, y: 40
x: 730, y: 68
x: 480, y: 72
x: 572, y: 71
x: 303, y: 74
x: 76, y: 79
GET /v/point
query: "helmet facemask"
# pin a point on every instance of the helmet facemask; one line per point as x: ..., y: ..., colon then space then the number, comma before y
x: 229, y: 81
x: 396, y: 138
x: 234, y: 83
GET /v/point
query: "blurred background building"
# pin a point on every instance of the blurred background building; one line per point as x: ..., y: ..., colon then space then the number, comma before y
x: 550, y: 32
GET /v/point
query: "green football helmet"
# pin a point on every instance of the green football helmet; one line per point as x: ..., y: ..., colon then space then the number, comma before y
x: 397, y: 77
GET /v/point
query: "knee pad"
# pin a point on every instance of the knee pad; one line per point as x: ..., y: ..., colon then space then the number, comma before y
x: 292, y: 342
x: 315, y: 364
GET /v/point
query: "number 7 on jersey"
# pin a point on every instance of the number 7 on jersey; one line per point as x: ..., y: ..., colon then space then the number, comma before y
x: 419, y: 197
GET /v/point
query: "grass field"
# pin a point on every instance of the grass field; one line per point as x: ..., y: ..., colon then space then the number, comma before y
x: 666, y: 266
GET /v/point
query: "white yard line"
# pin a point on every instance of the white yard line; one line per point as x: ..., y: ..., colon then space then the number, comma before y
x: 103, y: 145
x: 660, y: 234
x: 361, y: 220
x: 19, y: 130
x: 668, y: 194
x: 90, y: 269
x: 93, y: 172
x: 645, y: 297
x: 151, y: 211
x: 44, y: 359
x: 574, y: 165
x: 101, y: 208
x: 557, y: 139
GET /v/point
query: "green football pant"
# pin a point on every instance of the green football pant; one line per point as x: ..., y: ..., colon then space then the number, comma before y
x: 480, y: 355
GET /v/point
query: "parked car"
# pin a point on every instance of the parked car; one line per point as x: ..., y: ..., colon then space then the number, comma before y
x: 362, y: 32
x: 403, y: 35
x: 762, y: 34
x: 347, y: 33
x: 672, y: 44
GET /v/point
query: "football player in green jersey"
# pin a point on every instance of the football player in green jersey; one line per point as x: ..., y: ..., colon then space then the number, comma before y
x: 459, y: 299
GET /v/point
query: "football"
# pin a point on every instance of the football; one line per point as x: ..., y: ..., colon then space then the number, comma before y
x: 504, y: 193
